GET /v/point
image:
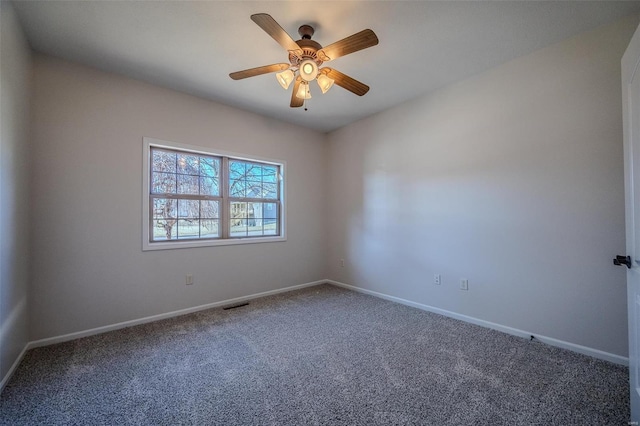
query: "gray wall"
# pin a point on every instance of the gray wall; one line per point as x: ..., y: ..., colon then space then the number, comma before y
x: 15, y: 77
x: 512, y: 179
x: 88, y: 266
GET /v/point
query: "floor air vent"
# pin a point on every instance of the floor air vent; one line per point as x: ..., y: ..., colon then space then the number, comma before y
x: 235, y: 306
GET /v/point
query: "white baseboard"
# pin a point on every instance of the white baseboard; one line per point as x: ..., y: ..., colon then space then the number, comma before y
x: 15, y: 364
x: 106, y: 328
x: 617, y: 359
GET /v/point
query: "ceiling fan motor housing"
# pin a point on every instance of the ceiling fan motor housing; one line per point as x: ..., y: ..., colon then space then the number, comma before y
x: 309, y: 49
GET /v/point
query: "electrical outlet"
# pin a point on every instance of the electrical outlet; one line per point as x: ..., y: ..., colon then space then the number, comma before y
x: 189, y: 279
x: 464, y: 284
x: 436, y: 279
x: 342, y: 263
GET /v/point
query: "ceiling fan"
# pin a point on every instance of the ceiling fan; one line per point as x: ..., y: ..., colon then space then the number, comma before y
x: 305, y: 58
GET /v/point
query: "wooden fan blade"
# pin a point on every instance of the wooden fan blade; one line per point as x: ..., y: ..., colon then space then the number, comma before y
x: 353, y: 43
x: 252, y: 72
x: 271, y: 27
x: 346, y: 82
x: 296, y: 102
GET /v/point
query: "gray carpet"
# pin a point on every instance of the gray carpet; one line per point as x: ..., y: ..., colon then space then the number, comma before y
x: 317, y: 356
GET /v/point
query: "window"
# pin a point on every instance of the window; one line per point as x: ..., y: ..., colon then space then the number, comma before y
x: 254, y: 194
x: 197, y: 198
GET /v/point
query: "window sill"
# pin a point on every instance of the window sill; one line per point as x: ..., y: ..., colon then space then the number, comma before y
x: 170, y: 245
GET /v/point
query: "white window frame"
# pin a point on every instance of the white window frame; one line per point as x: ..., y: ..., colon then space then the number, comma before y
x: 148, y: 142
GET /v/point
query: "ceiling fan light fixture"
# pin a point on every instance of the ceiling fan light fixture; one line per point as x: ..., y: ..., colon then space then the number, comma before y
x: 303, y: 91
x: 325, y: 83
x: 308, y: 70
x: 285, y: 78
x: 305, y: 57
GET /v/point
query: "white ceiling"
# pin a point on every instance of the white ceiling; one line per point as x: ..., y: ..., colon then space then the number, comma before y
x: 192, y: 46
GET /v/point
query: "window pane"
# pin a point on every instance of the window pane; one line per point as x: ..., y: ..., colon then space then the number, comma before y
x: 209, y: 186
x: 254, y: 190
x: 164, y: 208
x: 255, y: 231
x: 163, y: 161
x: 236, y: 169
x: 253, y: 172
x: 210, y: 172
x: 239, y: 173
x: 270, y: 218
x: 238, y: 210
x: 188, y: 209
x: 209, y: 209
x: 164, y: 219
x: 210, y: 167
x: 163, y: 183
x: 254, y: 219
x: 253, y: 210
x: 157, y: 232
x: 188, y: 164
x: 270, y: 190
x: 188, y: 228
x: 238, y: 219
x: 209, y: 228
x: 238, y: 227
x: 269, y: 211
x: 188, y: 184
x: 237, y: 188
x: 269, y: 174
x: 270, y: 227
